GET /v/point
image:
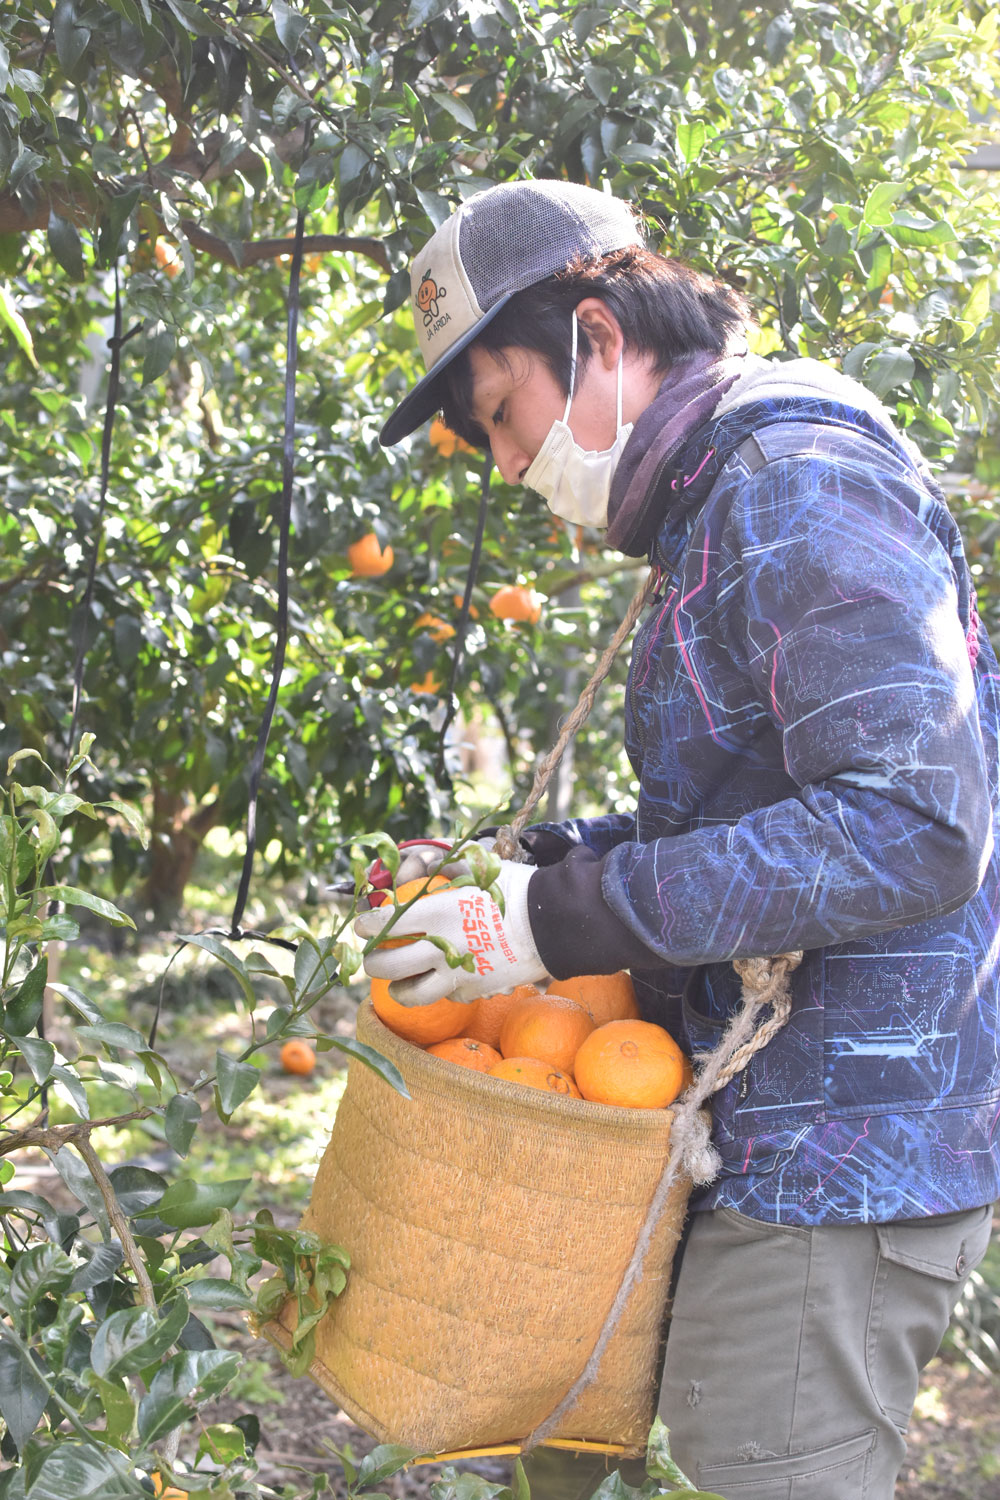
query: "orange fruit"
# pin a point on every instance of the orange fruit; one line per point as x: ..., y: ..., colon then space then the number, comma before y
x: 439, y: 630
x: 607, y: 997
x: 548, y: 1027
x: 536, y: 1074
x: 492, y: 1010
x: 428, y: 684
x: 467, y: 1052
x: 297, y: 1056
x: 515, y: 602
x: 167, y: 258
x: 170, y: 1493
x: 367, y: 557
x: 447, y: 442
x: 422, y: 1024
x: 635, y: 1064
x: 473, y: 611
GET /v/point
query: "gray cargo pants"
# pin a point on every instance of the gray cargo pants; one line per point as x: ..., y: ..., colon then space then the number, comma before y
x: 794, y: 1355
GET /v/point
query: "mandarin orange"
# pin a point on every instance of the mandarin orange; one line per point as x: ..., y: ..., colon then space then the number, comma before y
x: 492, y: 1011
x: 422, y: 1024
x: 634, y: 1064
x: 536, y: 1074
x: 368, y: 558
x: 467, y: 1052
x: 607, y: 997
x: 296, y: 1056
x: 515, y: 602
x: 548, y: 1027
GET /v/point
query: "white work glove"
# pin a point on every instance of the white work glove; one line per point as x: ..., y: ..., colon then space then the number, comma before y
x: 468, y: 919
x: 418, y: 860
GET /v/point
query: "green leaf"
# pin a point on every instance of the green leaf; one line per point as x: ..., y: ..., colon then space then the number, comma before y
x: 39, y: 1055
x: 236, y: 1081
x: 129, y: 1340
x: 225, y: 956
x: 103, y: 1263
x: 72, y: 38
x: 119, y: 1411
x: 113, y: 1034
x: 79, y: 1002
x: 659, y: 1460
x: 422, y: 11
x: 84, y: 1471
x: 691, y: 137
x: 878, y: 205
x: 64, y: 242
x: 23, y: 1392
x: 199, y: 1376
x: 24, y: 1009
x: 214, y: 1292
x: 888, y: 369
x: 189, y: 1205
x: 180, y: 1121
x: 133, y: 817
x: 71, y: 896
x: 39, y: 1270
x: 137, y: 1189
x: 315, y: 971
x: 161, y: 345
x: 13, y: 321
x: 456, y: 107
x: 372, y: 1059
x: 383, y: 1461
x: 977, y: 306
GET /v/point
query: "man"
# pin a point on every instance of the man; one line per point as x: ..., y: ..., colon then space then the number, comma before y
x: 812, y: 719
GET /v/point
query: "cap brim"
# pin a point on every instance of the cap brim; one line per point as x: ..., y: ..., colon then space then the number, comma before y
x: 425, y: 398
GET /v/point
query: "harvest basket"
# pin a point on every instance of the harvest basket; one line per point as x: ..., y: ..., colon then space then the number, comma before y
x: 489, y: 1227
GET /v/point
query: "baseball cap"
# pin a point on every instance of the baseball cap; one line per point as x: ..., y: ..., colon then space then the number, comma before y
x: 499, y: 242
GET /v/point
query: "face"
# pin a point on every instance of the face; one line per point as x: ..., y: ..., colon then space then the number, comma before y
x: 515, y: 405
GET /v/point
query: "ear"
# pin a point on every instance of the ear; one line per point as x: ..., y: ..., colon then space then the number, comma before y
x: 603, y: 329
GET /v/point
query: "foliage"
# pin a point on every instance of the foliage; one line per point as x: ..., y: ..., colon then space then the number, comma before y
x: 163, y: 146
x: 103, y: 1352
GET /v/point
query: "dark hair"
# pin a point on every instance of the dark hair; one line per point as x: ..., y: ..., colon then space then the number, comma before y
x: 666, y: 309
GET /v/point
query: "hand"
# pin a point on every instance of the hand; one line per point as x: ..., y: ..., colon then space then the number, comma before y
x: 470, y: 920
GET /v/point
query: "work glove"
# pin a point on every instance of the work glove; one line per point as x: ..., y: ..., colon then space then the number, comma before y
x: 470, y: 921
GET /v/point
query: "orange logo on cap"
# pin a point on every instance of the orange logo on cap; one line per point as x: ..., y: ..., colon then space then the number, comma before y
x: 429, y: 295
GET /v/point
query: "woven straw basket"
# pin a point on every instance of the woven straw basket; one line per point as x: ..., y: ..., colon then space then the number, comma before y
x: 489, y: 1227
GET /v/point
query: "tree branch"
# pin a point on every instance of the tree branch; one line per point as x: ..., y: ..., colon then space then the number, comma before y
x: 119, y: 1223
x: 54, y: 1137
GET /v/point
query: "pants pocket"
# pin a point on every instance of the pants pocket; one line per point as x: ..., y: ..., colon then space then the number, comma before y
x: 837, y: 1471
x: 922, y: 1266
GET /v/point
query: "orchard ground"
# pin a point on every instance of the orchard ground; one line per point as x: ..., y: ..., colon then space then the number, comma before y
x: 276, y: 1140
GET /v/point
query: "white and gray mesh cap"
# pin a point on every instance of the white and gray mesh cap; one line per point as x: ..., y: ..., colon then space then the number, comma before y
x: 499, y: 242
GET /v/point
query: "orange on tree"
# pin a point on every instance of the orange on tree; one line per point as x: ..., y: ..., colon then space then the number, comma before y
x: 368, y: 558
x: 168, y: 1493
x: 439, y: 630
x: 608, y: 997
x: 473, y: 611
x: 515, y: 602
x: 548, y: 1027
x: 634, y: 1064
x: 297, y: 1056
x: 491, y: 1013
x: 536, y: 1074
x: 167, y: 258
x: 446, y: 442
x: 467, y: 1052
x: 428, y: 684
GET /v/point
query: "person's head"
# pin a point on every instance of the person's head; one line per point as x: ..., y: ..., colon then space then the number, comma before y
x: 495, y: 291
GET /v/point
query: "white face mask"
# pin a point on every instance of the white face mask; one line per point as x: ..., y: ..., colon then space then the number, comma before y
x: 574, y: 482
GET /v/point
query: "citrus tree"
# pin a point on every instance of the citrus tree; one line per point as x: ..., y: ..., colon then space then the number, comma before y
x: 159, y: 151
x: 160, y: 162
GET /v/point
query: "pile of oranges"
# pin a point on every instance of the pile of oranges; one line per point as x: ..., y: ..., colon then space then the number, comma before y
x: 581, y: 1037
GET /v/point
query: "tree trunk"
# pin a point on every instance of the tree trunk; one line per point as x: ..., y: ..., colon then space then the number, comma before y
x: 178, y: 831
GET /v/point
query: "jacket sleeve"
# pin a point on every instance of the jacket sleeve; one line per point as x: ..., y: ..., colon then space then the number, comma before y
x: 548, y: 843
x: 847, y: 622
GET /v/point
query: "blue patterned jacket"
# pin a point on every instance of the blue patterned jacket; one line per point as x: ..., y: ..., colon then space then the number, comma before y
x: 812, y: 716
